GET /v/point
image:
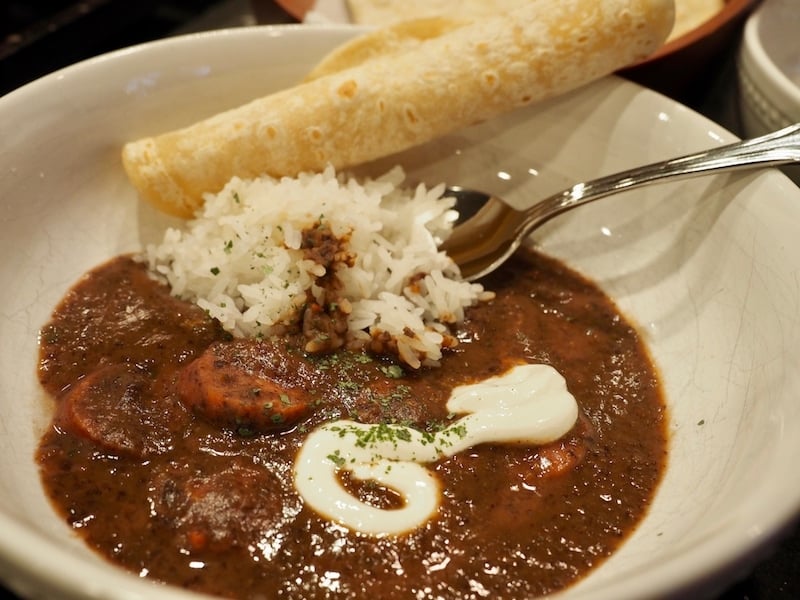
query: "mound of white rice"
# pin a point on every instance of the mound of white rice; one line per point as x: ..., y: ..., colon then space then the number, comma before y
x: 241, y: 259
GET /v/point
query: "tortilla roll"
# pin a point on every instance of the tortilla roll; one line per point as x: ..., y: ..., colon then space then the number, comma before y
x: 392, y: 39
x: 392, y: 102
x: 387, y: 12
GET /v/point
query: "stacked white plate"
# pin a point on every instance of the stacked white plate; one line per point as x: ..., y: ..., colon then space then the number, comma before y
x: 769, y: 70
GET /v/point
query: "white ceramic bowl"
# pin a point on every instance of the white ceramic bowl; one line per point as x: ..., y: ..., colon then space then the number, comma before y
x: 769, y: 67
x: 708, y: 268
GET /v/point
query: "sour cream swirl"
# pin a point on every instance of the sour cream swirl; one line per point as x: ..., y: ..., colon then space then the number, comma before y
x: 528, y: 404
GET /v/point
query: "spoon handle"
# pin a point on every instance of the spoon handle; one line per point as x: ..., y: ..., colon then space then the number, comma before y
x: 487, y: 239
x: 777, y: 148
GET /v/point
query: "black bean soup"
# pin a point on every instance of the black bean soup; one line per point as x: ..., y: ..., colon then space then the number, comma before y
x: 160, y: 469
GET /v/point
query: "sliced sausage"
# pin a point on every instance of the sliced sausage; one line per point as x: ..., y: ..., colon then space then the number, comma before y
x: 105, y: 407
x: 215, y: 510
x: 247, y: 387
x: 564, y: 455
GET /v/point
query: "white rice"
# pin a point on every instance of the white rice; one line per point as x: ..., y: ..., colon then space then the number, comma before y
x: 241, y: 260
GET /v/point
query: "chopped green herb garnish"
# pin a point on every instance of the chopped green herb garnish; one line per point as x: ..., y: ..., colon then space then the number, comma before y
x: 403, y: 434
x: 459, y: 430
x: 348, y: 386
x: 393, y: 371
x: 337, y: 459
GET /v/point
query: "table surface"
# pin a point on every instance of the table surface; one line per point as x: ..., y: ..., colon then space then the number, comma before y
x: 777, y: 575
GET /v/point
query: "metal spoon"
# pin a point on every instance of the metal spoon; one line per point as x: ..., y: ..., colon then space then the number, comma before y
x: 493, y: 230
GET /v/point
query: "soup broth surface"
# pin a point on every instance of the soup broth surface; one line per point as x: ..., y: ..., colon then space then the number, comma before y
x: 208, y: 504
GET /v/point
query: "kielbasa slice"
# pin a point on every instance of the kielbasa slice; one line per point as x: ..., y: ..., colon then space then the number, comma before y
x: 216, y: 510
x: 105, y: 407
x: 566, y: 454
x: 247, y: 387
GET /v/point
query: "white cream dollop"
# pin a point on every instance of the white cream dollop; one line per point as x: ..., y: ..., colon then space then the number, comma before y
x: 529, y: 404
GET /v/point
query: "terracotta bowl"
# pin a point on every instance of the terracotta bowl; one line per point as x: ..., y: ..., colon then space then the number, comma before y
x: 296, y: 8
x: 681, y: 68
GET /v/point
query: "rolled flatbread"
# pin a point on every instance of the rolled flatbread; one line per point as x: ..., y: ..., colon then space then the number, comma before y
x: 387, y: 12
x: 392, y: 102
x: 392, y: 39
x: 689, y: 14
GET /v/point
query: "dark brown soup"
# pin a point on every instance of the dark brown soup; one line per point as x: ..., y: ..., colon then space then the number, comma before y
x: 160, y: 469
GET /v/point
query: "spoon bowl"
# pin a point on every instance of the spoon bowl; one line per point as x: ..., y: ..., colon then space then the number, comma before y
x: 489, y: 230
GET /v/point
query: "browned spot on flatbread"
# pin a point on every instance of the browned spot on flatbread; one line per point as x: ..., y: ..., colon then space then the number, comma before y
x: 348, y: 89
